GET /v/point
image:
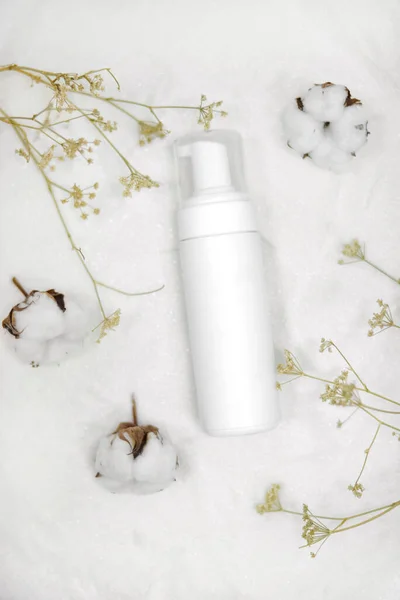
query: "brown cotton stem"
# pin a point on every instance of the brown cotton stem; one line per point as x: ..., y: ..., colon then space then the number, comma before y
x: 134, y: 411
x: 19, y: 287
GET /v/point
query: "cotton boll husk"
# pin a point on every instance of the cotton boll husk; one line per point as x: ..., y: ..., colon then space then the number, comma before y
x: 157, y: 463
x: 41, y: 320
x: 325, y: 103
x: 114, y: 459
x: 328, y: 156
x: 302, y: 131
x: 350, y: 132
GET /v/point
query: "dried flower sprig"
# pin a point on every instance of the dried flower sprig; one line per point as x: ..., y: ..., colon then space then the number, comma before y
x: 342, y: 392
x: 45, y: 124
x: 355, y: 251
x: 315, y: 529
x: 338, y: 392
x: 79, y: 197
x: 381, y: 320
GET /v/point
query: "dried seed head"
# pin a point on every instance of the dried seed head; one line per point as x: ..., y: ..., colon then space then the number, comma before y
x: 325, y: 345
x: 381, y: 320
x: 314, y: 531
x: 149, y: 131
x: 72, y: 147
x: 79, y: 198
x: 108, y: 324
x: 291, y: 366
x: 207, y: 112
x: 47, y: 157
x: 26, y: 155
x: 135, y: 182
x: 272, y: 502
x: 357, y: 489
x: 353, y: 250
x: 340, y: 392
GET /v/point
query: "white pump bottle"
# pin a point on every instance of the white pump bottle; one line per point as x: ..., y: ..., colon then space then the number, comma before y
x: 224, y: 288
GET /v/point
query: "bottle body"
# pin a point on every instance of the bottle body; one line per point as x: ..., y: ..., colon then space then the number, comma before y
x: 229, y: 331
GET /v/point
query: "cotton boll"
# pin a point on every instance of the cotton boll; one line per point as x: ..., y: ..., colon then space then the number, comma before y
x: 325, y: 102
x: 328, y: 156
x: 327, y: 124
x: 47, y: 327
x: 29, y: 351
x: 350, y: 132
x: 41, y: 320
x: 136, y: 458
x: 302, y: 131
x: 157, y: 463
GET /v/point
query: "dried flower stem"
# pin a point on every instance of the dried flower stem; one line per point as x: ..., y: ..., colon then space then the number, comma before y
x: 357, y: 488
x: 360, y: 405
x: 354, y: 250
x: 356, y: 388
x: 201, y: 108
x: 315, y: 531
x: 119, y: 291
x: 333, y: 345
x: 354, y: 402
x: 261, y: 509
x: 107, y: 139
x: 382, y: 271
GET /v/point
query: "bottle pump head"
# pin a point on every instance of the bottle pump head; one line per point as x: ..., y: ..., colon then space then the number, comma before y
x: 209, y: 163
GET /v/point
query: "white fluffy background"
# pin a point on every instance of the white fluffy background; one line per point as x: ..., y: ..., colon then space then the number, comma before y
x: 62, y: 535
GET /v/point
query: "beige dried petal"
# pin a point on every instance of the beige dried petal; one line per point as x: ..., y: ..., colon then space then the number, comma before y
x: 349, y: 100
x: 56, y: 296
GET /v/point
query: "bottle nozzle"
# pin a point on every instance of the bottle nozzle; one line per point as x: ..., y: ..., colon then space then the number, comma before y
x: 210, y: 166
x: 209, y: 163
